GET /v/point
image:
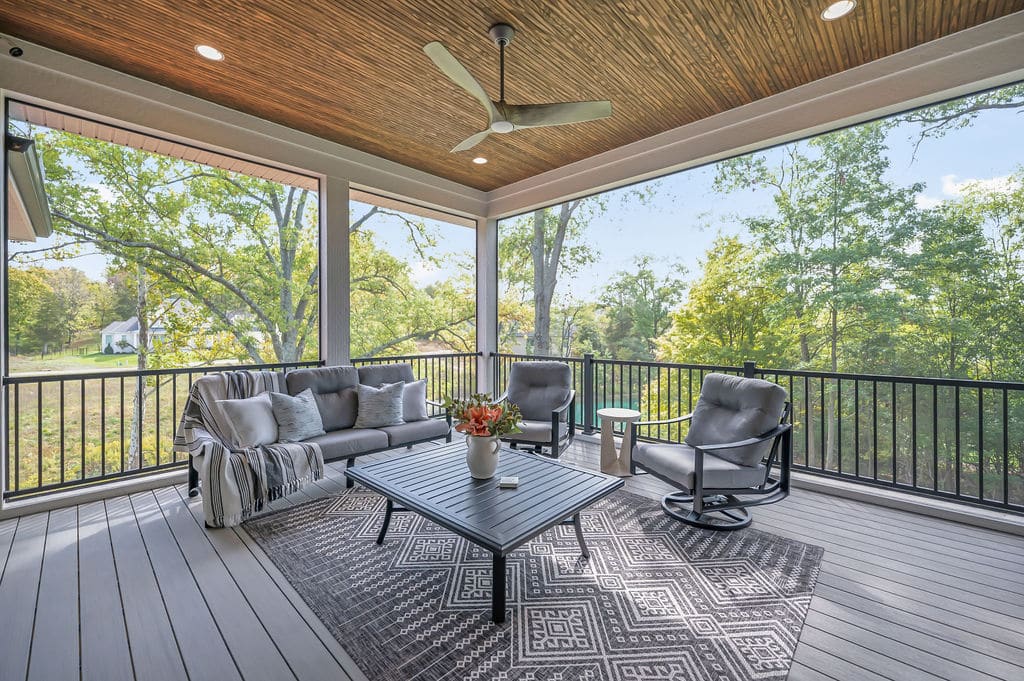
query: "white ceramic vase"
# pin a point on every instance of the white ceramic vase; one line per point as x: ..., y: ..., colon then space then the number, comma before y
x: 482, y: 456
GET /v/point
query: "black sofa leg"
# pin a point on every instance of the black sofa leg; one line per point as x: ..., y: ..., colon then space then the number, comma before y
x: 349, y: 482
x: 193, y: 479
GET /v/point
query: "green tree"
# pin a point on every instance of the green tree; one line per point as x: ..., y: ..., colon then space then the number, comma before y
x: 730, y: 315
x: 636, y: 306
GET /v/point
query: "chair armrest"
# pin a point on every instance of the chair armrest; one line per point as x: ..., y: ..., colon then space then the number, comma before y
x: 678, y: 419
x: 770, y: 435
x: 433, y: 403
x: 502, y: 398
x: 565, y: 405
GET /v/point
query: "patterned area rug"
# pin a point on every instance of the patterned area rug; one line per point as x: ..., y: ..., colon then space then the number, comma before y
x: 657, y: 601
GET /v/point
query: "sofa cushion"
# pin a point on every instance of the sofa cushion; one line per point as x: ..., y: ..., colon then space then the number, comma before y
x: 334, y: 389
x: 676, y: 463
x: 732, y: 408
x: 342, y: 444
x: 297, y: 417
x: 538, y: 388
x: 536, y: 431
x: 251, y: 421
x: 416, y: 431
x: 379, y: 374
x: 380, y: 406
x: 414, y: 401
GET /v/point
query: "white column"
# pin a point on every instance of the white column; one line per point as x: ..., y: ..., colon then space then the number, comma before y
x: 486, y: 301
x: 3, y: 319
x: 335, y: 301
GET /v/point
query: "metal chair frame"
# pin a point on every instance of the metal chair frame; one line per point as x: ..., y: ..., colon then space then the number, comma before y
x: 695, y: 506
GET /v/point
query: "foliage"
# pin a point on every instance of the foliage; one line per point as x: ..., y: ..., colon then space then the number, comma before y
x: 636, y: 307
x: 481, y: 416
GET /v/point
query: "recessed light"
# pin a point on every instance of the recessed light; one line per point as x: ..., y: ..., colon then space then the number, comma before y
x: 838, y: 9
x: 479, y: 160
x: 209, y: 52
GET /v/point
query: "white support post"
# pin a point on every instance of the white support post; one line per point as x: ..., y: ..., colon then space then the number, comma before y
x: 335, y: 301
x: 486, y: 301
x: 3, y: 313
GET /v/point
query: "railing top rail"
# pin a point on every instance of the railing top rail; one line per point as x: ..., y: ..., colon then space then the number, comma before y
x: 401, y: 358
x: 56, y: 377
x: 668, y: 365
x: 883, y: 378
x: 543, y: 358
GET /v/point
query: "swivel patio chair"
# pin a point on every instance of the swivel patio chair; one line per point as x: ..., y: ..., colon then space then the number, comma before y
x: 544, y: 394
x: 738, y: 434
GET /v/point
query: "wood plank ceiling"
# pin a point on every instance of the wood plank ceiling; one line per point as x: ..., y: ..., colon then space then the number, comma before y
x: 353, y: 71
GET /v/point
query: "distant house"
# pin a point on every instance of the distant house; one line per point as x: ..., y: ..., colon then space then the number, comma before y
x: 123, y: 337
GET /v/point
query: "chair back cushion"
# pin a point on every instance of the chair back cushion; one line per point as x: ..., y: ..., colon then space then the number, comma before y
x: 732, y: 408
x: 539, y: 387
x: 379, y: 374
x: 334, y: 389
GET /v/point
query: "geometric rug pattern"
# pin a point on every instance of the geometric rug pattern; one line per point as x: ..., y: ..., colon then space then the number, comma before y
x: 657, y: 601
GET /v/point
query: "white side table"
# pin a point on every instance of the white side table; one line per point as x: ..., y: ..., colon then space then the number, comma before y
x: 616, y: 462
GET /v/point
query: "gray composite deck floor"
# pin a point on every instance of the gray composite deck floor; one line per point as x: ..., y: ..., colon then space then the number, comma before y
x: 135, y: 587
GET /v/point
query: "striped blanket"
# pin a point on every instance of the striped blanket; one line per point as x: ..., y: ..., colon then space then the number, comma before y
x: 238, y: 483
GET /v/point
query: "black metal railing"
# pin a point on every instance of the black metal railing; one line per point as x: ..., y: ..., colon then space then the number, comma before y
x: 447, y: 374
x: 952, y: 438
x: 67, y: 430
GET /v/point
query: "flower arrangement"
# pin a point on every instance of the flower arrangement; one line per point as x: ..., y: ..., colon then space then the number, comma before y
x: 482, y: 417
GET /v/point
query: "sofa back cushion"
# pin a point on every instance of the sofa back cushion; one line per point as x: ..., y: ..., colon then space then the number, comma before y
x: 732, y: 408
x: 334, y: 389
x: 537, y: 388
x: 379, y: 374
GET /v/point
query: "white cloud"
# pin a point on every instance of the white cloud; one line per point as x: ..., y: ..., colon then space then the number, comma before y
x: 924, y: 202
x: 994, y: 185
x: 424, y: 273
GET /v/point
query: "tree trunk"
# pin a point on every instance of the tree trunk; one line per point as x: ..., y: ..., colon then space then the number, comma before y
x: 541, y: 297
x: 142, y: 350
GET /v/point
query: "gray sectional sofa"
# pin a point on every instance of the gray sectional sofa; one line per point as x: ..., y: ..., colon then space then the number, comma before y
x: 335, y: 391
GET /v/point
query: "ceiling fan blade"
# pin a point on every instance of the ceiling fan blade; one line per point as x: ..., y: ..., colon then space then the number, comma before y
x: 564, y: 113
x: 472, y: 141
x: 458, y: 74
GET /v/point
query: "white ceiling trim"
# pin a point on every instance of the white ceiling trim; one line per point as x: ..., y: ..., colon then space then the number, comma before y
x: 985, y: 56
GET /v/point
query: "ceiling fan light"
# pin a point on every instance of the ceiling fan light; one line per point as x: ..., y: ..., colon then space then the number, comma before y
x: 502, y: 127
x: 838, y: 9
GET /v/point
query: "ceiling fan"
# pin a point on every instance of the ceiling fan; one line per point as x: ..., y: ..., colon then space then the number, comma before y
x: 503, y: 117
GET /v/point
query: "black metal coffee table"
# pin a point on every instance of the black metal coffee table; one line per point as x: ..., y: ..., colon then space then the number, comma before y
x: 437, y: 485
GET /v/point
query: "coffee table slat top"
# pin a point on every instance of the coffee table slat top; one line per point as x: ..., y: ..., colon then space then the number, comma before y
x: 497, y: 519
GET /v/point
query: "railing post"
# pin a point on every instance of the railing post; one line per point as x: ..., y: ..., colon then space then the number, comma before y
x: 749, y: 369
x: 588, y: 393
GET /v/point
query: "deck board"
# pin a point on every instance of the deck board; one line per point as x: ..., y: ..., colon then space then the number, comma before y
x: 206, y: 655
x: 155, y: 651
x: 19, y: 588
x: 900, y: 597
x: 56, y: 655
x: 105, y: 652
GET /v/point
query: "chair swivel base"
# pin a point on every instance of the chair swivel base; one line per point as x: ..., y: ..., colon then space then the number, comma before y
x: 679, y: 505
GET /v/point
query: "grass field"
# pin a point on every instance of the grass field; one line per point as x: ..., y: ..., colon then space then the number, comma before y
x: 97, y: 361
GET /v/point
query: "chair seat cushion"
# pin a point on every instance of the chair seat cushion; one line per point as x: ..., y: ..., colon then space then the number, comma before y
x: 415, y: 431
x: 675, y: 463
x: 341, y: 444
x: 536, y: 431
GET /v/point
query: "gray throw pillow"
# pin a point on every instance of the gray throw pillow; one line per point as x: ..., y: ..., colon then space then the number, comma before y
x: 381, y: 406
x: 297, y: 417
x: 414, y: 401
x: 251, y: 421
